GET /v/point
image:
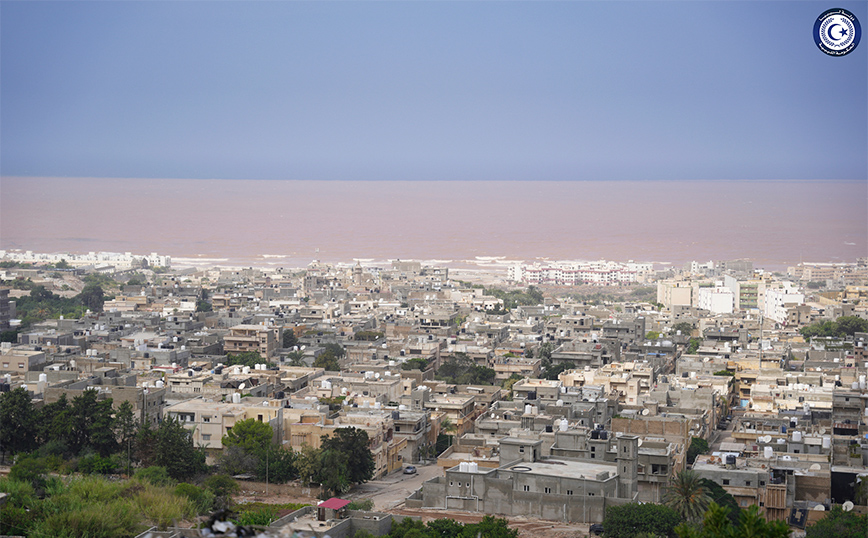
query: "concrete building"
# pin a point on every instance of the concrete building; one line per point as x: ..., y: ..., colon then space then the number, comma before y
x: 556, y: 488
x: 778, y: 300
x: 257, y: 338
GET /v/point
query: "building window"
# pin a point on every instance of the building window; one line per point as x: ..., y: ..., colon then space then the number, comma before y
x: 521, y: 449
x: 590, y: 494
x: 21, y: 365
x: 726, y: 481
x: 206, y: 419
x: 593, y: 456
x: 548, y: 490
x: 593, y: 449
x: 206, y: 436
x: 5, y: 365
x: 762, y: 482
x: 527, y: 488
x: 747, y: 482
x: 569, y: 492
x: 450, y: 483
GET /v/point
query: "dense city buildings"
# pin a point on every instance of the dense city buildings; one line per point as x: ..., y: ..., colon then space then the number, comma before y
x: 552, y: 406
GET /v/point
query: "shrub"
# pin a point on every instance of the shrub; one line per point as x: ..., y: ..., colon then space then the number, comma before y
x: 222, y: 487
x: 96, y: 464
x: 263, y: 516
x: 162, y: 508
x: 202, y: 499
x: 31, y: 470
x: 155, y: 474
x: 362, y: 504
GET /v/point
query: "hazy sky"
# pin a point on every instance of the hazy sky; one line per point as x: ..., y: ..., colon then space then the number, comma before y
x: 429, y: 90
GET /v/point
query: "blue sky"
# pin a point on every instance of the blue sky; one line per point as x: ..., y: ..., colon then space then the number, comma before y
x: 383, y: 90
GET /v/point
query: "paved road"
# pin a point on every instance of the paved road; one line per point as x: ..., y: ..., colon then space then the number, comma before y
x: 391, y: 491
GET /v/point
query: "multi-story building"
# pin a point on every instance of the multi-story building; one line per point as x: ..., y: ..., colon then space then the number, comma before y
x: 526, y: 484
x: 257, y: 338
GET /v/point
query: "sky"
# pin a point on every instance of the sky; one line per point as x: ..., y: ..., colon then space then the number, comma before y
x: 445, y: 90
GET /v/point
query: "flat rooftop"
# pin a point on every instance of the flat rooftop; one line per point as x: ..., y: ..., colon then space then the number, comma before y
x: 567, y: 468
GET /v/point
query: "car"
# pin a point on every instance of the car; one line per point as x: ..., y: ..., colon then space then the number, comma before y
x: 409, y: 470
x: 597, y: 529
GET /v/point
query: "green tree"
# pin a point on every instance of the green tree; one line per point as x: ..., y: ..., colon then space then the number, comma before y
x: 308, y: 464
x: 334, y: 472
x: 685, y: 327
x: 352, y: 444
x: 203, y: 306
x: 250, y: 435
x: 245, y: 358
x: 296, y: 358
x: 687, y: 496
x: 841, y: 327
x: 634, y: 518
x: 289, y: 338
x: 553, y: 371
x: 652, y: 335
x: 720, y: 496
x: 17, y: 422
x: 839, y: 524
x: 174, y: 450
x: 489, y: 527
x: 125, y: 424
x: 693, y: 345
x: 328, y: 361
x: 222, y: 487
x: 716, y: 524
x: 92, y: 422
x: 92, y: 296
x: 336, y: 349
x: 698, y: 446
x: 234, y: 460
x: 277, y: 465
x: 416, y: 363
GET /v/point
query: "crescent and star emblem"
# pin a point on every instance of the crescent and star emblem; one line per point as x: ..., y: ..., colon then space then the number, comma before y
x: 841, y: 34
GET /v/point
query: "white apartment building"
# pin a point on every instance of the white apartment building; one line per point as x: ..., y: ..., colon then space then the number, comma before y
x: 717, y: 300
x: 602, y: 272
x: 778, y: 299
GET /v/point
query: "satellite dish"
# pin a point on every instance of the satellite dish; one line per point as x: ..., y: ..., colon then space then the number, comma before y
x: 847, y: 506
x: 241, y: 386
x: 645, y: 412
x: 815, y: 467
x: 820, y: 508
x: 640, y: 440
x: 822, y: 431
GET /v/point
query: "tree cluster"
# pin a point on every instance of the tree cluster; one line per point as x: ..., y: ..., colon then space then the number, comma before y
x: 489, y: 527
x: 330, y: 358
x: 248, y: 448
x: 633, y: 519
x: 461, y: 370
x: 42, y: 304
x: 246, y: 358
x: 92, y: 437
x: 841, y: 327
x: 343, y: 460
x: 716, y: 524
x: 698, y: 446
x: 514, y: 298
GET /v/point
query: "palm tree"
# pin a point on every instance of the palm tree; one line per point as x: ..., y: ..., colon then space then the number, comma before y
x: 687, y: 495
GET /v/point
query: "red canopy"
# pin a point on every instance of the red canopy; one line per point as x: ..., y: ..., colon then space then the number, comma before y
x: 334, y: 503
